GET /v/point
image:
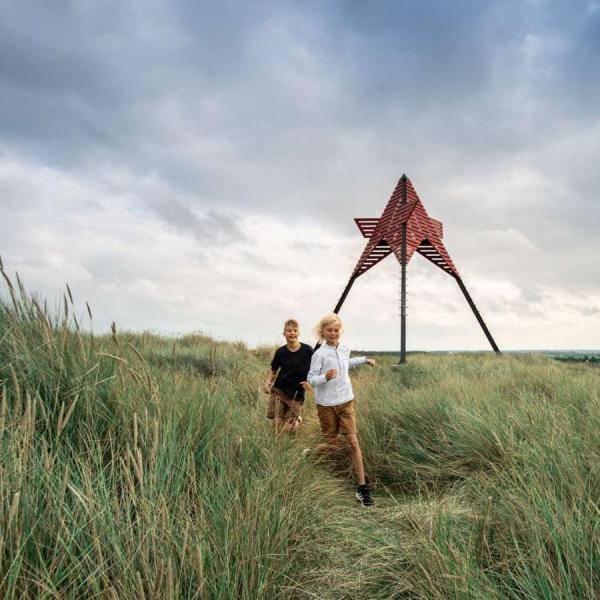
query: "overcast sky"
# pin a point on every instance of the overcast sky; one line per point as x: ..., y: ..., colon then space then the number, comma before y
x: 197, y: 166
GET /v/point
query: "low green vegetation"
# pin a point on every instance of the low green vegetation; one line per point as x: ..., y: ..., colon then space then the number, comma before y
x: 587, y: 358
x: 135, y: 466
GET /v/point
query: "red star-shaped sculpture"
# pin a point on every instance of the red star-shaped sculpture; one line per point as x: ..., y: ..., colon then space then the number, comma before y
x: 423, y: 234
x: 405, y: 228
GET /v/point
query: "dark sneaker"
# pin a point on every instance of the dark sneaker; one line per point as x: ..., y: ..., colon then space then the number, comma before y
x: 363, y: 495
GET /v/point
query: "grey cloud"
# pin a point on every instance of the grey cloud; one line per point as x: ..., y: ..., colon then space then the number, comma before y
x: 211, y: 227
x: 107, y: 267
x: 308, y: 246
x: 590, y: 311
x: 451, y: 307
x: 265, y: 264
x: 109, y: 82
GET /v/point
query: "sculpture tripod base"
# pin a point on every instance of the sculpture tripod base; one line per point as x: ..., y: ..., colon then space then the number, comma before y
x: 463, y: 289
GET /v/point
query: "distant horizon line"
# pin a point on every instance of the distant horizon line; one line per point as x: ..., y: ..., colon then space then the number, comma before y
x: 489, y: 351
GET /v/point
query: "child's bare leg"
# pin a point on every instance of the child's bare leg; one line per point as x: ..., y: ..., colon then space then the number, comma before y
x: 326, y: 447
x: 277, y: 419
x: 356, y: 456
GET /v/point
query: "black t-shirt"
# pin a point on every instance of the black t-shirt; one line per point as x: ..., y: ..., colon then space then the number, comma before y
x: 294, y: 369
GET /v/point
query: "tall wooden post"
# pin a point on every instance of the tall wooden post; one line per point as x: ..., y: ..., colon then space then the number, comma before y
x: 403, y: 297
x: 403, y: 282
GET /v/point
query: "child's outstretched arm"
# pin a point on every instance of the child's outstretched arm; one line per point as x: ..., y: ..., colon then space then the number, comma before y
x: 360, y: 360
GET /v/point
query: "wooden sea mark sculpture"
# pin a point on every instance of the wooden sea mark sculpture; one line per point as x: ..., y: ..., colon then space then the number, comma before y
x: 403, y: 229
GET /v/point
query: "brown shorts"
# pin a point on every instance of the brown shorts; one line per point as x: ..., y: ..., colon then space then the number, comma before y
x: 337, y: 419
x: 282, y: 406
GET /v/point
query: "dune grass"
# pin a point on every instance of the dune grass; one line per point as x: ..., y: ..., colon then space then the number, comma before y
x: 136, y: 466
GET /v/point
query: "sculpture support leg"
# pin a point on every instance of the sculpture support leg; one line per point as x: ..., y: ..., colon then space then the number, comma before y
x: 336, y: 310
x: 461, y: 285
x: 338, y: 306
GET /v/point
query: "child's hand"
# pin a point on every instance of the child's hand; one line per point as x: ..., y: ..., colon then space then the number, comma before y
x: 371, y: 362
x: 267, y: 387
x: 306, y: 386
x: 331, y: 374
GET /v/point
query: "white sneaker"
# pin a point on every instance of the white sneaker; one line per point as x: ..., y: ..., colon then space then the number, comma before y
x: 306, y: 452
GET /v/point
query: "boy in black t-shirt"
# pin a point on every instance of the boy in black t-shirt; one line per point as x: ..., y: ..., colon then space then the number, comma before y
x: 289, y: 368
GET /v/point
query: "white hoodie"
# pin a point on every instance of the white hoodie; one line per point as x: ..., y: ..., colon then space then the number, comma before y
x: 338, y: 389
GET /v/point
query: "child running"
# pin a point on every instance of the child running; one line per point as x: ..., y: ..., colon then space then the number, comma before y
x: 334, y: 397
x: 289, y: 369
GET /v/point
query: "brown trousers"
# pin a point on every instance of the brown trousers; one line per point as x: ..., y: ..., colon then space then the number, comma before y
x: 286, y: 408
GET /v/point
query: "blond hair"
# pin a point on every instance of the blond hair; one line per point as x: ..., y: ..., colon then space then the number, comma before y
x: 291, y: 323
x: 328, y: 319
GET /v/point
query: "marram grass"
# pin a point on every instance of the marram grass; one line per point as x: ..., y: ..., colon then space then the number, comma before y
x: 135, y: 466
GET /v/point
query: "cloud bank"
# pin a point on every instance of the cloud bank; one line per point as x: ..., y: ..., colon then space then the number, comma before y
x: 191, y: 167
